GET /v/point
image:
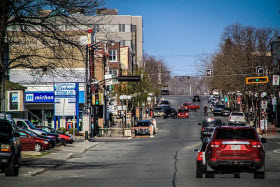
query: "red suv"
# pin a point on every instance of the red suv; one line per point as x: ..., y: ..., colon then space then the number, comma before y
x: 236, y: 149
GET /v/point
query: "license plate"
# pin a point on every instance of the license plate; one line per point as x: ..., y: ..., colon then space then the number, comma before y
x: 235, y: 147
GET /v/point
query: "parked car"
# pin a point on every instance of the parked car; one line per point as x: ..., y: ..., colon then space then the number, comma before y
x: 237, y: 118
x: 236, y: 149
x: 64, y: 138
x: 143, y: 127
x: 50, y: 138
x: 200, y: 158
x: 183, y: 113
x: 170, y: 112
x: 211, y: 99
x: 25, y: 124
x: 208, y: 125
x: 226, y: 111
x: 196, y: 98
x: 218, y: 109
x: 10, y: 149
x: 29, y: 140
x: 158, y: 111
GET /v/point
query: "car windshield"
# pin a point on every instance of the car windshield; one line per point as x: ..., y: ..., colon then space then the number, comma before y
x: 237, y: 114
x: 5, y: 128
x: 30, y: 124
x: 182, y: 110
x: 212, y: 122
x: 159, y: 109
x: 239, y: 134
x: 186, y: 104
x: 143, y: 124
x: 220, y: 106
x: 196, y: 96
x: 164, y: 102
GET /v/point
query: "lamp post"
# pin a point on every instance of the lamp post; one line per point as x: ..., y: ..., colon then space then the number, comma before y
x: 275, y: 53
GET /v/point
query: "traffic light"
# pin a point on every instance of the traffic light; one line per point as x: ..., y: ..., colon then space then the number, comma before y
x: 96, y: 97
x: 256, y: 80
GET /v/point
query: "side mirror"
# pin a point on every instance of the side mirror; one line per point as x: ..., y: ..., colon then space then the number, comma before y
x: 16, y: 134
x: 263, y: 140
x: 199, y: 123
x: 195, y: 150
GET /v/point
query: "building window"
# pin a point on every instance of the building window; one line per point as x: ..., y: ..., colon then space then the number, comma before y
x: 113, y: 55
x: 14, y: 100
x: 96, y: 28
x: 133, y: 28
x: 121, y: 27
x: 122, y: 43
x: 114, y: 72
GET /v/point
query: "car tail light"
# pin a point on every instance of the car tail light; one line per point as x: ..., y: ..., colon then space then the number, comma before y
x: 256, y: 144
x: 6, y: 148
x: 199, y: 156
x: 202, y: 128
x: 215, y: 144
x: 229, y: 117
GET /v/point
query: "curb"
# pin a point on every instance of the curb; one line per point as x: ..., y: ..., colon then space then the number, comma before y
x: 276, y: 151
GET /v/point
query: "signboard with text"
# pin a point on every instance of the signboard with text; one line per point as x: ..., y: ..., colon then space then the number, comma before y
x: 39, y: 97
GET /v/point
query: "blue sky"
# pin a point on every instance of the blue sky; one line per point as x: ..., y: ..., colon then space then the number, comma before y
x: 182, y: 30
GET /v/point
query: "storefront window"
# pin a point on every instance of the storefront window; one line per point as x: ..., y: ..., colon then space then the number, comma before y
x: 14, y: 100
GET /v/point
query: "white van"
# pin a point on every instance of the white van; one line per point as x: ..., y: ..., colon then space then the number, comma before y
x: 25, y: 124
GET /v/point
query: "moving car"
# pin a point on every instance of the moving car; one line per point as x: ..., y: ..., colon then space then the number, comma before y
x: 164, y: 92
x: 236, y: 149
x: 226, y: 111
x: 200, y: 158
x: 237, y: 118
x: 218, y: 109
x: 164, y: 103
x: 10, y: 150
x: 170, y: 112
x: 190, y: 106
x: 143, y: 127
x: 196, y: 98
x: 183, y: 113
x: 208, y: 125
x: 158, y: 111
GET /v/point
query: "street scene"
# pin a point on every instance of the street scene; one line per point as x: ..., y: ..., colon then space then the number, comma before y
x: 101, y: 93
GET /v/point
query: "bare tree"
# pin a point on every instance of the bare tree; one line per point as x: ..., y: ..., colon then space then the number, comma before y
x: 36, y: 38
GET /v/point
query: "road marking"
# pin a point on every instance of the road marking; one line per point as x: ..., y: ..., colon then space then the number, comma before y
x: 191, y: 146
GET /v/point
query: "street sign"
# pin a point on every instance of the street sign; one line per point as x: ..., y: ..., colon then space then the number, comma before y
x: 209, y: 72
x: 259, y: 70
x: 275, y: 80
x: 226, y: 99
x: 256, y: 80
x: 239, y: 100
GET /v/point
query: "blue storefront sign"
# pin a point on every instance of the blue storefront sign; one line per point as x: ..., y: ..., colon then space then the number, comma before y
x: 39, y: 97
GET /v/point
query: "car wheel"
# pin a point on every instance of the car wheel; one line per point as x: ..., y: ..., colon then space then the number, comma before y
x: 63, y: 142
x: 259, y: 175
x: 38, y: 147
x: 12, y: 170
x: 198, y: 173
x: 236, y: 175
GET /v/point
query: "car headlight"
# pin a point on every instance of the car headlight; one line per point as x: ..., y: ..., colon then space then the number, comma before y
x: 46, y: 142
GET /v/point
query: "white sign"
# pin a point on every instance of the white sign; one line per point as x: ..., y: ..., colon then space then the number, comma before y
x: 275, y: 80
x: 64, y: 89
x: 264, y: 104
x: 263, y: 124
x: 65, y: 107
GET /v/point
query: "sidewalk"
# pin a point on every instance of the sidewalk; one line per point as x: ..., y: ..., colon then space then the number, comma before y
x: 273, y: 141
x: 56, y: 157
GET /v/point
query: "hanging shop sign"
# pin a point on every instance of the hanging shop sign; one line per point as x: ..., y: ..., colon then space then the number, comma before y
x: 65, y: 99
x: 39, y: 97
x: 275, y: 80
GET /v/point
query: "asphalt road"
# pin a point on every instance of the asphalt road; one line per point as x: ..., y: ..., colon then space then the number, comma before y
x: 166, y: 160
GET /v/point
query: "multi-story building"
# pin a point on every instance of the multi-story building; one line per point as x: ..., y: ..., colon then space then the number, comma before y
x: 122, y: 40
